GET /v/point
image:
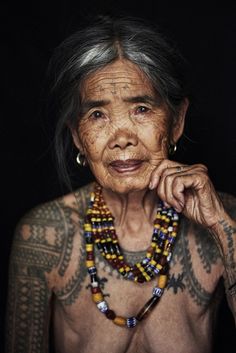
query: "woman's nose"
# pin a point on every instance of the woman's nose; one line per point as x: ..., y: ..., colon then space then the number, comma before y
x: 123, y: 139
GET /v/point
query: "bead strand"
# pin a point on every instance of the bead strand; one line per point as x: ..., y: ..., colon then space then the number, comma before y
x: 99, y: 229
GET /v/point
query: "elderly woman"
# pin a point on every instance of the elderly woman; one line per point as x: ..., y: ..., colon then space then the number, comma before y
x: 133, y: 261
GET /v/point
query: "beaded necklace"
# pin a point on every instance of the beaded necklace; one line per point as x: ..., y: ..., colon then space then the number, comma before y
x: 99, y: 229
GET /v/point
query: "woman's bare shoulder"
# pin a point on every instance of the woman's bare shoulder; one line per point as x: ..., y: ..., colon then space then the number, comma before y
x: 46, y: 233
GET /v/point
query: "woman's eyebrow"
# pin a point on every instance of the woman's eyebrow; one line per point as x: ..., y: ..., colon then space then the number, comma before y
x: 143, y: 99
x: 89, y: 104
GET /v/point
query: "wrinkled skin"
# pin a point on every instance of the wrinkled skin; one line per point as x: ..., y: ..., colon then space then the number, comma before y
x: 124, y: 130
x: 128, y: 122
x: 122, y: 119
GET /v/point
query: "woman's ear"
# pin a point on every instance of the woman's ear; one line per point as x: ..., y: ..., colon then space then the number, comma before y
x: 76, y: 139
x: 178, y: 127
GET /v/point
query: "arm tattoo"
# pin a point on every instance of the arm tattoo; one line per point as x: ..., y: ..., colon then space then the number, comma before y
x: 38, y: 247
x: 186, y: 279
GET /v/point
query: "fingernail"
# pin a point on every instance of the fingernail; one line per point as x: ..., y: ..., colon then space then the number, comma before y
x: 151, y: 185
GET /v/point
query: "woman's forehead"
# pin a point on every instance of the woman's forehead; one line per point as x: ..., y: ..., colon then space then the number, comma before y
x: 120, y: 77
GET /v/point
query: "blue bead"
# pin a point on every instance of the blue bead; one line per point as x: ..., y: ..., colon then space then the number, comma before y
x: 130, y: 276
x: 92, y: 270
x: 153, y: 269
x: 145, y: 261
x: 157, y: 292
x: 131, y: 322
x: 171, y: 240
x: 162, y: 235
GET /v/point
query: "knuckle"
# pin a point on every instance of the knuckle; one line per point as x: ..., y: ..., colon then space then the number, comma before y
x: 203, y: 167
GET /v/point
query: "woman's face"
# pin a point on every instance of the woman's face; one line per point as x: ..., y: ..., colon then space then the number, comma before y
x: 124, y: 127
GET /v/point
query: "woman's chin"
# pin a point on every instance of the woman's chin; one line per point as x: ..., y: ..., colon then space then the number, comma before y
x: 125, y: 186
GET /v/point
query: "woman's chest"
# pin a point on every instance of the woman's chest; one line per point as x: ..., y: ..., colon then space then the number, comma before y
x: 175, y: 318
x: 185, y: 306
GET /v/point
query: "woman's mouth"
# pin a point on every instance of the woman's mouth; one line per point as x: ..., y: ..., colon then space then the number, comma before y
x: 128, y: 165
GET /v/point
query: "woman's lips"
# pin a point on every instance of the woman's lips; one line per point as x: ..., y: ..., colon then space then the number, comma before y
x: 129, y: 165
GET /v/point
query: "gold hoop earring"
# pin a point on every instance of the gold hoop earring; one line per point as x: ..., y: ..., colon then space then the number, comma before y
x: 172, y: 149
x: 81, y: 160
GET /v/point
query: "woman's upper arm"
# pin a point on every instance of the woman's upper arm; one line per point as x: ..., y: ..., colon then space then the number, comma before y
x: 35, y: 252
x: 230, y: 258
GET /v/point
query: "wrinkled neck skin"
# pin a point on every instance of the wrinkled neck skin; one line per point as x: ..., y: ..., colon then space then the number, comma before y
x: 134, y: 214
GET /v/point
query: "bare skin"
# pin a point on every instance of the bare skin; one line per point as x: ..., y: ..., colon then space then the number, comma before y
x: 124, y: 131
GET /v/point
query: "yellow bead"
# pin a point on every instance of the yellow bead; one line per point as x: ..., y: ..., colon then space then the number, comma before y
x: 97, y: 297
x: 165, y: 253
x: 162, y: 280
x: 145, y: 275
x: 153, y: 262
x: 89, y: 263
x: 175, y: 224
x: 158, y: 266
x: 87, y: 226
x: 127, y: 268
x: 113, y: 256
x: 120, y: 257
x: 173, y: 234
x: 120, y: 321
x: 149, y: 255
x: 89, y: 247
x: 121, y: 269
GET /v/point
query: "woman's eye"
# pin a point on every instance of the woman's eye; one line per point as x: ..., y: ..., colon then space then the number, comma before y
x: 142, y: 109
x: 97, y: 114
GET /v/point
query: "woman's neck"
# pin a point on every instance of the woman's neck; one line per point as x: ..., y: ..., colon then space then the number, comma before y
x: 134, y: 214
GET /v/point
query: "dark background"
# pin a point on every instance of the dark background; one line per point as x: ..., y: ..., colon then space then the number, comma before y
x: 30, y: 31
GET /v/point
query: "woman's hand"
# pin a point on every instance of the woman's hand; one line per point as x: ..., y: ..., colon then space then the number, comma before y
x: 189, y: 190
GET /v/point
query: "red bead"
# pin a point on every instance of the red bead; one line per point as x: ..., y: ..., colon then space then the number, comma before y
x: 95, y: 290
x: 163, y: 260
x: 90, y: 256
x: 164, y: 269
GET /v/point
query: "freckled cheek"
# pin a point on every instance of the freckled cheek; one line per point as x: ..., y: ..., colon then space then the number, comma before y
x: 93, y: 144
x: 155, y: 138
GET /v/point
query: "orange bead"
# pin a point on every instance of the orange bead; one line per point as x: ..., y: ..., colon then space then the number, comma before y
x: 120, y: 321
x: 97, y: 297
x: 162, y: 280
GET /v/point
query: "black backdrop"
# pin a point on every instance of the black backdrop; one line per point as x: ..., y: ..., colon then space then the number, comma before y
x: 30, y: 31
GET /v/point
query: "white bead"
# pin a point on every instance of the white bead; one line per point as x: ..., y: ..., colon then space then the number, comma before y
x: 169, y: 257
x: 102, y: 306
x: 94, y: 284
